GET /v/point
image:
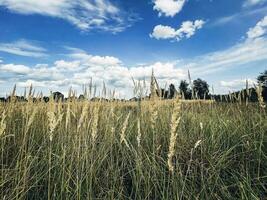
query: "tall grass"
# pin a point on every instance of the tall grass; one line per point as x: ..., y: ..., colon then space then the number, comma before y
x: 122, y: 150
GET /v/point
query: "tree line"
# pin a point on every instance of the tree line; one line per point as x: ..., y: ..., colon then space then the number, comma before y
x: 196, y: 89
x: 199, y: 89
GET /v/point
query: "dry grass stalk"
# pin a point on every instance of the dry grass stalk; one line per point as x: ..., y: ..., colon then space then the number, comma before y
x: 197, y: 144
x: 3, y: 123
x: 139, y: 134
x: 83, y: 115
x: 175, y: 119
x: 123, y: 130
x: 30, y: 121
x: 53, y: 122
x: 154, y: 115
x: 112, y: 121
x: 68, y: 116
x: 95, y: 123
x: 201, y: 126
x: 260, y: 97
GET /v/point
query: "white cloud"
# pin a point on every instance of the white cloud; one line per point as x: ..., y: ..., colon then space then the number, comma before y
x: 163, y: 32
x: 187, y: 30
x: 240, y: 16
x: 168, y: 7
x: 252, y: 49
x: 259, y: 30
x: 84, y: 14
x: 42, y: 73
x: 16, y: 69
x: 69, y: 66
x: 83, y: 66
x: 248, y: 3
x: 23, y: 48
x: 29, y: 82
x: 240, y: 54
x: 234, y: 85
x: 164, y: 71
x: 96, y: 60
x: 63, y: 74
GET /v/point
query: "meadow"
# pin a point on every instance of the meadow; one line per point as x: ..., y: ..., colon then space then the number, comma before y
x: 169, y: 149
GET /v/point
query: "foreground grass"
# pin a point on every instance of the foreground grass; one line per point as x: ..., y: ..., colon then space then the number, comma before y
x: 121, y: 150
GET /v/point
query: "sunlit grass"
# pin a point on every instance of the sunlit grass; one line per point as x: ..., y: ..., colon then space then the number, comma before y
x: 132, y: 150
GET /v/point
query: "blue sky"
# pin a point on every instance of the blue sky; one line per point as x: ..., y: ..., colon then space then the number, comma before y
x: 57, y: 44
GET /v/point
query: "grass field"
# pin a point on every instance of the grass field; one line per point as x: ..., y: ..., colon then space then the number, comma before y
x: 133, y: 150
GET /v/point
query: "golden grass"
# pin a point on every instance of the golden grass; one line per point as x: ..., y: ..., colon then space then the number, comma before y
x: 171, y: 149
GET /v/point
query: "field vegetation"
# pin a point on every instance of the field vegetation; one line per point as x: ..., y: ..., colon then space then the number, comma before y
x: 156, y: 149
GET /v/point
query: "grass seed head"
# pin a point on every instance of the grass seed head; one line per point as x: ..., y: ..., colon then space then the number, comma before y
x: 197, y: 144
x: 123, y: 130
x: 175, y: 119
x: 95, y: 123
x: 139, y: 134
x: 3, y: 123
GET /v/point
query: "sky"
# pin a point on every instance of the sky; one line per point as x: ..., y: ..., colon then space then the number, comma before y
x: 55, y: 45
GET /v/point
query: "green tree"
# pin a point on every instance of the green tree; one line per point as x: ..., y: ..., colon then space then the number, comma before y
x: 184, y: 89
x: 201, y: 88
x: 262, y: 78
x: 172, y: 91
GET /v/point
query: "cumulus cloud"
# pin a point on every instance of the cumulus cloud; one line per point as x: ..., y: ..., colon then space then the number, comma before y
x: 63, y: 74
x: 84, y: 14
x: 69, y: 66
x: 168, y: 8
x: 248, y: 3
x: 165, y: 71
x: 23, y: 48
x: 81, y: 67
x: 117, y: 75
x: 163, y: 32
x: 96, y: 60
x: 259, y: 30
x: 187, y: 30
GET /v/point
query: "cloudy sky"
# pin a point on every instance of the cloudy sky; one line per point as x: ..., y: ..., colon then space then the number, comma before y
x: 59, y: 44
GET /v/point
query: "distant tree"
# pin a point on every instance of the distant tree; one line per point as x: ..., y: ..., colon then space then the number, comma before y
x: 163, y: 94
x: 184, y: 89
x: 2, y: 99
x: 57, y: 96
x: 201, y: 88
x: 16, y: 99
x: 262, y: 79
x: 81, y: 97
x: 171, y: 92
x: 46, y: 99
